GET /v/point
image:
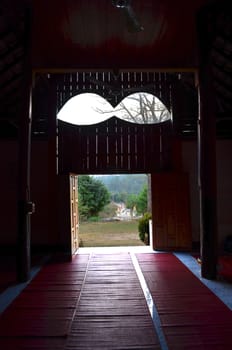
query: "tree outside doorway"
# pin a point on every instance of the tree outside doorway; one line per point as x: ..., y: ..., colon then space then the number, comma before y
x: 116, y: 222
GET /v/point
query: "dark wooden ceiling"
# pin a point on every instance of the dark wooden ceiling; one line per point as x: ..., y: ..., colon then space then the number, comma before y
x: 93, y: 35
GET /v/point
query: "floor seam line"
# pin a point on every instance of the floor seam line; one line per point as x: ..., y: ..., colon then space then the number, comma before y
x: 78, y: 300
x: 150, y: 303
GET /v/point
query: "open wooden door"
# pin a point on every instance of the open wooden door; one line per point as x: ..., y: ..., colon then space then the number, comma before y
x: 74, y: 212
x: 171, y: 211
x: 68, y: 219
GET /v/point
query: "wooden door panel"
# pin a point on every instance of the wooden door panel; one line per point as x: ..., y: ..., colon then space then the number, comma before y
x: 74, y: 212
x: 68, y: 221
x: 160, y: 236
x: 171, y: 212
x: 171, y: 230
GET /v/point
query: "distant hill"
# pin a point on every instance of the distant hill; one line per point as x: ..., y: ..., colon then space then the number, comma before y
x: 130, y: 184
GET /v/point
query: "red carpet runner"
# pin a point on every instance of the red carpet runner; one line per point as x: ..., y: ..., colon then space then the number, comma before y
x: 112, y: 312
x: 192, y: 317
x: 90, y: 303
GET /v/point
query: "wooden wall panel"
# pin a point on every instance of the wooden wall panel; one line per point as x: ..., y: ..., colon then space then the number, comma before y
x: 171, y: 211
x: 114, y: 146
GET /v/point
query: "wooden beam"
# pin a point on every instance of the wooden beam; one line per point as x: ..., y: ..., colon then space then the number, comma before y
x: 207, y: 156
x: 52, y: 165
x: 25, y: 207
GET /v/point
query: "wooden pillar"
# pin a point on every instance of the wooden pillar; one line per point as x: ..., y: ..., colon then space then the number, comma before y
x: 52, y: 121
x: 25, y: 207
x: 207, y: 157
x: 52, y: 165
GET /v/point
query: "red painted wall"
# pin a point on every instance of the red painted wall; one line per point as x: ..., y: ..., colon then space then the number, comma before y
x: 8, y: 191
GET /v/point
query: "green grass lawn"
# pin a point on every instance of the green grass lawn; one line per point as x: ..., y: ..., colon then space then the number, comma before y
x: 109, y: 234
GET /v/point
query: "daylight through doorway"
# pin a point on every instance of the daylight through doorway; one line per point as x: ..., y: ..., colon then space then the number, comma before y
x: 111, y: 208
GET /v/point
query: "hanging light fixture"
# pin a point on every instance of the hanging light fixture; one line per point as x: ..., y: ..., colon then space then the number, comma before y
x: 133, y: 24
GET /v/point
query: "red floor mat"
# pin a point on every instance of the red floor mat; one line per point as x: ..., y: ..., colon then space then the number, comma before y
x: 112, y: 312
x: 41, y: 316
x: 192, y: 317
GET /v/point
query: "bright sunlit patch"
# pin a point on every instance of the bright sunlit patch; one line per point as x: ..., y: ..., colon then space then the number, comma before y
x: 84, y: 109
x: 89, y: 108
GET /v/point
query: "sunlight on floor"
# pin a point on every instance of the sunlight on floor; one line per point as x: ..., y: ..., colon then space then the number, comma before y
x: 110, y: 250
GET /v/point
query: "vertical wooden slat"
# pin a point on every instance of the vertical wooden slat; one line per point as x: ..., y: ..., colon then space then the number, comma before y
x: 92, y: 148
x: 126, y: 150
x: 155, y: 149
x: 76, y: 148
x: 117, y: 144
x: 96, y: 77
x: 63, y: 140
x: 113, y: 145
x: 137, y: 150
x: 71, y: 145
x: 80, y: 82
x: 97, y: 148
x: 66, y: 139
x: 140, y: 147
x: 147, y: 146
x: 102, y: 146
x: 133, y: 158
x: 83, y: 150
x: 167, y: 140
x: 61, y: 100
x: 71, y: 84
x: 162, y: 92
x: 74, y: 84
x: 120, y: 144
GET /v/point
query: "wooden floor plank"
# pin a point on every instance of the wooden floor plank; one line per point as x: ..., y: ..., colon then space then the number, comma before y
x: 112, y: 312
